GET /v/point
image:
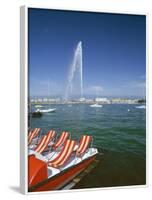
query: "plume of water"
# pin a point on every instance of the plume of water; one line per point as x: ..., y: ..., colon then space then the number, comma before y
x: 76, y: 68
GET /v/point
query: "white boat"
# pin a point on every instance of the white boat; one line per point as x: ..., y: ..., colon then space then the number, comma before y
x: 38, y: 106
x: 141, y: 107
x: 46, y: 110
x: 96, y: 105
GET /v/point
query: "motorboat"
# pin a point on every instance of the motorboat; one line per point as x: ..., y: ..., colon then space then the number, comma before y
x: 141, y: 106
x: 46, y: 110
x: 96, y: 105
x: 56, y: 169
x: 38, y: 106
x: 36, y: 114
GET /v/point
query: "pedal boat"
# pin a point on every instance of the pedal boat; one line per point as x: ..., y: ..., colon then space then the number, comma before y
x: 53, y: 174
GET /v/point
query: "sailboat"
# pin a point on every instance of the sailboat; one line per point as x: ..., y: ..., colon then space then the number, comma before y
x: 142, y: 101
x: 96, y: 105
x: 48, y: 110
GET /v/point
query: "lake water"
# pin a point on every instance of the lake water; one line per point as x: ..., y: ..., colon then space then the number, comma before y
x: 119, y: 133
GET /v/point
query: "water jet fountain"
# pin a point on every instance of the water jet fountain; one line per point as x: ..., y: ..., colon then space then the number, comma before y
x: 75, y: 78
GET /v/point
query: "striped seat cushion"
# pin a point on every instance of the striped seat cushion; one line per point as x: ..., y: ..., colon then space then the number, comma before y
x: 61, y: 140
x: 83, y: 145
x: 51, y: 134
x: 45, y: 140
x: 33, y: 134
x: 64, y: 154
x: 37, y: 132
x: 40, y: 144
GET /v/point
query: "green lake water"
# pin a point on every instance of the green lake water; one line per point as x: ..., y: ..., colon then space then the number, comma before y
x: 119, y: 135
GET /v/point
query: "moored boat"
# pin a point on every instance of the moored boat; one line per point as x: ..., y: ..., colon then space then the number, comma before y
x: 64, y: 165
x: 141, y: 107
x: 46, y: 110
x: 36, y: 114
x: 38, y: 106
x: 96, y: 105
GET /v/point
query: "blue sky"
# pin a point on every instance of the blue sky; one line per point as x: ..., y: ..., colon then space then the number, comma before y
x: 114, y: 52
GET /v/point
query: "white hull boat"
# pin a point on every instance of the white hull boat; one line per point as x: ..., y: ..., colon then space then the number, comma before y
x: 96, y: 106
x: 46, y: 110
x: 141, y: 107
x: 38, y: 106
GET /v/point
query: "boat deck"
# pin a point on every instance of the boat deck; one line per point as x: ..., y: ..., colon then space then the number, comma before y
x: 72, y: 161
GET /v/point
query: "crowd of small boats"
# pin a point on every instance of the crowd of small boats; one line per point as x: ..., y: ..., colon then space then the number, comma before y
x: 55, y: 159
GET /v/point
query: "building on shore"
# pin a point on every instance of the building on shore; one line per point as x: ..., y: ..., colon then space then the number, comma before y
x: 102, y: 100
x: 54, y: 100
x: 99, y: 100
x: 45, y: 100
x: 124, y: 101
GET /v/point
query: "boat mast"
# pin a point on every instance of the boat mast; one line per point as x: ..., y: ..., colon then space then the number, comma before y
x: 48, y: 92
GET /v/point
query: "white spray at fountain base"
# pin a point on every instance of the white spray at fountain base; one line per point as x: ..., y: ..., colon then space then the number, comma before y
x: 75, y: 69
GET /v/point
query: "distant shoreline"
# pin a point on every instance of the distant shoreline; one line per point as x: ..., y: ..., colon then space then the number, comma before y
x: 87, y: 103
x: 98, y: 100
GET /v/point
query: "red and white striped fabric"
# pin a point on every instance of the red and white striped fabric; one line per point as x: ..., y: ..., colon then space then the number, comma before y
x: 45, y: 140
x: 83, y: 145
x: 37, y: 132
x: 33, y: 134
x: 61, y: 140
x: 32, y: 131
x: 51, y: 133
x: 64, y: 154
x: 41, y: 143
x: 29, y: 135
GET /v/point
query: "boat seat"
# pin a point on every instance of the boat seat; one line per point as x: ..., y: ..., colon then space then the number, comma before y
x: 44, y: 142
x: 61, y: 140
x: 64, y: 154
x: 33, y: 134
x: 83, y: 145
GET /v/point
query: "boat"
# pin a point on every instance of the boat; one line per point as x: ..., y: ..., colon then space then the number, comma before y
x: 65, y: 164
x: 36, y: 114
x: 38, y: 106
x: 96, y: 105
x: 141, y: 106
x: 46, y: 110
